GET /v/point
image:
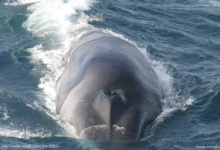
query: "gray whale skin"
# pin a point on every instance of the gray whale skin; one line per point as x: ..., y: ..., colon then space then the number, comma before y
x: 108, y: 91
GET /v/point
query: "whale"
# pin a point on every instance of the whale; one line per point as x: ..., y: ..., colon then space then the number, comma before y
x: 108, y: 90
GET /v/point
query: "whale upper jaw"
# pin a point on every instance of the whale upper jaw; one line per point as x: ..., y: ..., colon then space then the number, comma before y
x: 110, y: 105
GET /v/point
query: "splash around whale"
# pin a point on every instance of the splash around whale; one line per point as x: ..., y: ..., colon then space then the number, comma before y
x: 108, y: 90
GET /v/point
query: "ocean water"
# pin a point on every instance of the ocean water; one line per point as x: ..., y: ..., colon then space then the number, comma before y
x: 179, y: 38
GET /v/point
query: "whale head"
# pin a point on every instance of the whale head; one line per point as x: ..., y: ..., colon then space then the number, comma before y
x: 110, y: 116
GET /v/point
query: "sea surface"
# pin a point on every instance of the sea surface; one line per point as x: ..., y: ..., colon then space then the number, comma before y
x: 179, y: 38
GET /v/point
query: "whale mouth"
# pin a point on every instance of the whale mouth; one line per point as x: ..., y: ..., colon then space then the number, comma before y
x: 106, y: 132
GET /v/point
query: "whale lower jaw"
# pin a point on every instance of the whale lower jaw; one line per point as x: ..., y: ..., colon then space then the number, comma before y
x: 106, y: 132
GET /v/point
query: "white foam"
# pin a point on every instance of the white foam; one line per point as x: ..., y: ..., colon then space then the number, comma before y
x: 172, y: 101
x: 51, y: 73
x: 188, y: 103
x: 6, y: 117
x: 23, y: 133
x: 4, y: 111
x: 19, y: 2
x: 100, y: 130
x: 50, y: 21
x: 97, y: 18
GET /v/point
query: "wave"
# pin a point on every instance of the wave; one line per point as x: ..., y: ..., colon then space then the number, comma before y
x: 210, y: 2
x: 19, y: 2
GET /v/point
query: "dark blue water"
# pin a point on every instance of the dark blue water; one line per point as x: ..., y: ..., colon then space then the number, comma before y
x: 181, y: 39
